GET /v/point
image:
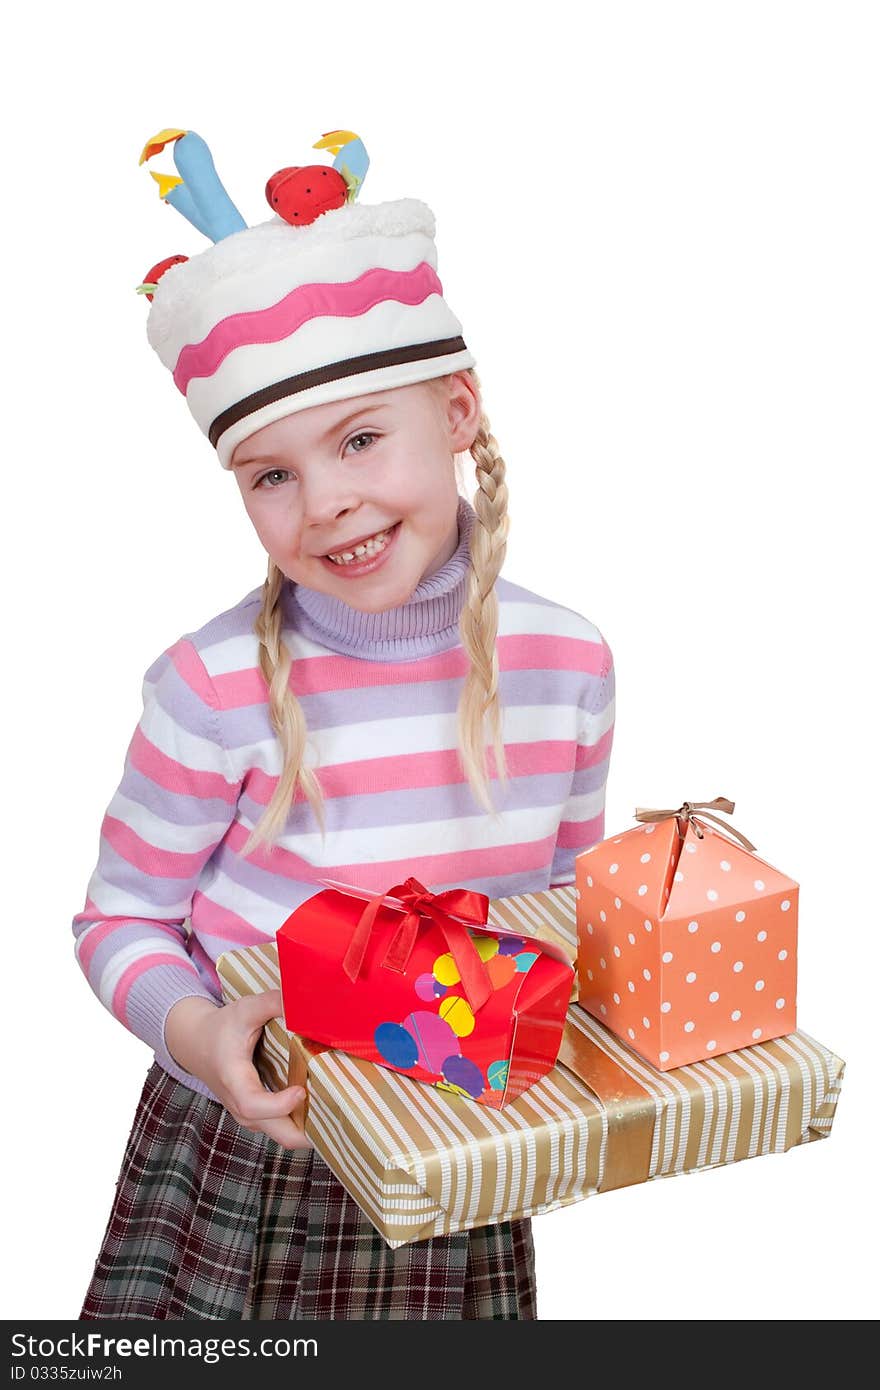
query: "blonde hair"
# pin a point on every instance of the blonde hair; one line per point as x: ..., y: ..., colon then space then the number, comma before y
x: 478, y: 626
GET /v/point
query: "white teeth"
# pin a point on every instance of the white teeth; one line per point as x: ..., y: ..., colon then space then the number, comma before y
x: 367, y: 548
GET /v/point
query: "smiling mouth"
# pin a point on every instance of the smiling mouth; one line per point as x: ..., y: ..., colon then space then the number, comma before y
x: 364, y: 550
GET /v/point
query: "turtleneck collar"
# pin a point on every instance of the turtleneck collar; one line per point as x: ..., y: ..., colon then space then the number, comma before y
x: 427, y: 622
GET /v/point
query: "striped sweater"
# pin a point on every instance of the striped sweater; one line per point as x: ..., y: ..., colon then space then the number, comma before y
x: 172, y: 890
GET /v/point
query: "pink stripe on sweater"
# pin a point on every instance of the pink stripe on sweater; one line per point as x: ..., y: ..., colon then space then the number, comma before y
x: 321, y: 300
x: 134, y: 972
x: 414, y: 770
x: 314, y: 675
x: 589, y: 754
x: 580, y: 834
x: 146, y: 858
x: 190, y: 667
x: 210, y: 919
x: 173, y: 776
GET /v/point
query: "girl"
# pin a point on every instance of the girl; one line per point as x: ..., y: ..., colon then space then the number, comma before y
x: 383, y: 705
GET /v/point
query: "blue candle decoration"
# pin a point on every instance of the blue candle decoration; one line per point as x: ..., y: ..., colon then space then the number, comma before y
x: 352, y: 160
x: 198, y: 194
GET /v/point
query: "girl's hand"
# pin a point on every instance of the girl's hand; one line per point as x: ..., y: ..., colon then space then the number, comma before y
x: 216, y: 1044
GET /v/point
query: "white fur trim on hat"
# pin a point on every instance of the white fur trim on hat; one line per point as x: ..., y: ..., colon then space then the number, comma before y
x: 258, y: 248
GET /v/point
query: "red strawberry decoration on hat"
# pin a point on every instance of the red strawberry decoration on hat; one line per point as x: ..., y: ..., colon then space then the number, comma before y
x: 155, y: 273
x: 301, y: 193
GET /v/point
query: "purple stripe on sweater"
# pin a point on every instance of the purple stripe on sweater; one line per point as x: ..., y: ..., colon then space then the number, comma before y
x: 175, y: 808
x: 180, y: 702
x: 250, y: 724
x: 234, y: 622
x: 157, y: 892
x: 333, y: 708
x: 415, y: 805
x: 265, y: 883
x: 563, y: 863
x: 590, y: 779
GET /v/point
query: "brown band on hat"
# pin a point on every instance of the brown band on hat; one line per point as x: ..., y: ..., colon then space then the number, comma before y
x: 334, y: 371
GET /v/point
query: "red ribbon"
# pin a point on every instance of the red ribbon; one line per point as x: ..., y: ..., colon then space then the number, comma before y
x: 442, y: 908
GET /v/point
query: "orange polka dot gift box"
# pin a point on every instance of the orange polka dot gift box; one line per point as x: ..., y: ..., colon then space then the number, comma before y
x: 417, y: 982
x: 687, y: 941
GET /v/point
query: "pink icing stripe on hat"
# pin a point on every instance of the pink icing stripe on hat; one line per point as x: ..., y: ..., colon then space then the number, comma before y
x: 281, y: 320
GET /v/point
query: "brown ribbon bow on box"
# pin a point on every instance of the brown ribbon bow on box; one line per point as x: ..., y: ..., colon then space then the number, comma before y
x: 686, y: 812
x: 442, y: 908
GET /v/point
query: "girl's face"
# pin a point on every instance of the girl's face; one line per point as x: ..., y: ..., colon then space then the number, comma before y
x: 325, y: 480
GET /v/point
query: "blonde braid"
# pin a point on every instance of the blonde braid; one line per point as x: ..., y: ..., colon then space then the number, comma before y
x: 479, y: 617
x: 287, y: 718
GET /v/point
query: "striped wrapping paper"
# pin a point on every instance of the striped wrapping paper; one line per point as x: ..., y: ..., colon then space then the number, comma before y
x: 421, y: 1162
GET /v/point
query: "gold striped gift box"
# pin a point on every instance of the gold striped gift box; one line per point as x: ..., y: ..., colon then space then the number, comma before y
x: 421, y: 1162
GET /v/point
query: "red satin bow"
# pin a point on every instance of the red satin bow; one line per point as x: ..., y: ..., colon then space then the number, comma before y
x: 442, y: 908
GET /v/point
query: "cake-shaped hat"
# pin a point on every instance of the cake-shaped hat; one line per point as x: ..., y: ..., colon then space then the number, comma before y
x: 326, y: 300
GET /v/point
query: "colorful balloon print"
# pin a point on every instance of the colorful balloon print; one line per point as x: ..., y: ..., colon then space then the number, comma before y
x: 458, y: 1013
x: 525, y: 960
x: 501, y: 970
x: 433, y: 1037
x: 428, y: 989
x: 497, y: 1075
x: 461, y: 1071
x: 396, y: 1046
x: 508, y: 946
x: 446, y: 970
x: 486, y: 947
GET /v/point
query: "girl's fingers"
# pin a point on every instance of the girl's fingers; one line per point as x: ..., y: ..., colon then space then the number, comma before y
x: 246, y: 1099
x: 253, y: 1010
x: 253, y: 1107
x: 267, y: 1005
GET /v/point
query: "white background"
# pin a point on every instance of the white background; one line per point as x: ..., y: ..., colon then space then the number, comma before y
x: 658, y: 224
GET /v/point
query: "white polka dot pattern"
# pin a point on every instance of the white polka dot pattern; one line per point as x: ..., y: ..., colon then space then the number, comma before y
x: 711, y: 969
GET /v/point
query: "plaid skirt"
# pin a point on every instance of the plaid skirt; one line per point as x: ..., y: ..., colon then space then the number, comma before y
x: 212, y: 1221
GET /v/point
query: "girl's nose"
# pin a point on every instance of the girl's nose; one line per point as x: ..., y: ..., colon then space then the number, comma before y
x: 326, y: 499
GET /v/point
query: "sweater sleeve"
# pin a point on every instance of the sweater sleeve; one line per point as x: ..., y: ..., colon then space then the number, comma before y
x: 583, y: 816
x: 175, y: 802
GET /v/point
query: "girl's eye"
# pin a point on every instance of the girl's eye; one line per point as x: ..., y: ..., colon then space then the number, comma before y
x: 356, y: 437
x: 274, y: 473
